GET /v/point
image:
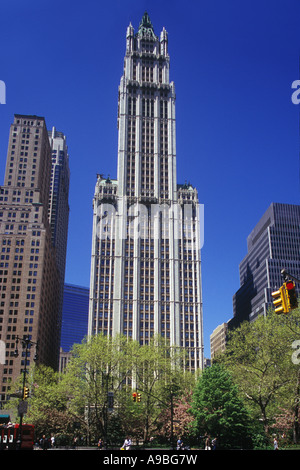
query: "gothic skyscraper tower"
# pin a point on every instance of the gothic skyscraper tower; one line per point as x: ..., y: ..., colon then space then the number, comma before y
x: 145, y: 268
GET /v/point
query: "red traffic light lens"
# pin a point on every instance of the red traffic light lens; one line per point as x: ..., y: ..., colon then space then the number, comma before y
x: 290, y: 285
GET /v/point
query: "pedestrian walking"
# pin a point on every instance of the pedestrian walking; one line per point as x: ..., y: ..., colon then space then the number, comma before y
x: 207, y: 443
x: 214, y: 443
x: 275, y: 444
x: 100, y: 444
x: 127, y: 444
x: 44, y: 443
x: 179, y: 444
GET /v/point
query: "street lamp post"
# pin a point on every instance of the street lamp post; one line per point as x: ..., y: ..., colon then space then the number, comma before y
x: 26, y: 344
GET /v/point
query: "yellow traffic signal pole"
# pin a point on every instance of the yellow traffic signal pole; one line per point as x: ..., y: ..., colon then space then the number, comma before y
x: 290, y: 289
x: 137, y: 397
x: 285, y: 298
x: 26, y: 344
x: 286, y: 276
x: 280, y: 301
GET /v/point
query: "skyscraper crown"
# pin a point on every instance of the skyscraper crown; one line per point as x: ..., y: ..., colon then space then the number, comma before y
x: 146, y: 27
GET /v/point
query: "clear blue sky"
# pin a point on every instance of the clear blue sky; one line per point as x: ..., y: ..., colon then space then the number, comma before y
x: 233, y: 63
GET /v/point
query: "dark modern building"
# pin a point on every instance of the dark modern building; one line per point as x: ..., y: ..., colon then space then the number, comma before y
x: 58, y: 212
x: 273, y: 245
x: 75, y: 316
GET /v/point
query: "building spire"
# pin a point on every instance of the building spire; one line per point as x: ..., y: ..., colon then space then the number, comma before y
x: 146, y: 27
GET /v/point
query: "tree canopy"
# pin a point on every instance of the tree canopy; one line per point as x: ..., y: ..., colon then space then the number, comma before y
x: 218, y: 410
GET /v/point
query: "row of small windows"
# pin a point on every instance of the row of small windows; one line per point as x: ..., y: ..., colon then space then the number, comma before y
x: 148, y: 105
x: 28, y: 123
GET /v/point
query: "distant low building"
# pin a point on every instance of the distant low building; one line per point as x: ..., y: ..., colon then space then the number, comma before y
x: 64, y: 358
x: 218, y: 340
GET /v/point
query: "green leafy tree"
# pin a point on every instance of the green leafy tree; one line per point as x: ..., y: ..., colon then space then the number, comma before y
x: 258, y: 355
x: 289, y: 396
x: 116, y: 365
x: 218, y: 410
x: 48, y: 404
x: 158, y: 376
x: 99, y: 368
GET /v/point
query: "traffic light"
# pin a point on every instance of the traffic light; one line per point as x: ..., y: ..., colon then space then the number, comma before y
x: 26, y: 393
x: 291, y: 295
x: 138, y: 397
x: 280, y: 300
x: 134, y: 395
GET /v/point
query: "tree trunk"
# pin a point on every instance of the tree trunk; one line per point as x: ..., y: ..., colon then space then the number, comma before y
x: 296, y: 411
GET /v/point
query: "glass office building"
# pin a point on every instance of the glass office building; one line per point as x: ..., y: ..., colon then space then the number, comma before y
x: 273, y: 245
x: 75, y: 315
